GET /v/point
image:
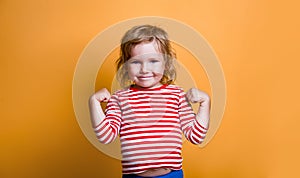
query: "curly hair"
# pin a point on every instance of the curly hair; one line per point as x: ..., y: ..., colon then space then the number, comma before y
x: 140, y: 34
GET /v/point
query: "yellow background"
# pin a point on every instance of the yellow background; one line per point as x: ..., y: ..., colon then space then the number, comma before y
x: 257, y: 43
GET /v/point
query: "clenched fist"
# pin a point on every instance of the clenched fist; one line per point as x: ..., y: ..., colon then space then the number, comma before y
x: 197, y: 96
x: 102, y: 95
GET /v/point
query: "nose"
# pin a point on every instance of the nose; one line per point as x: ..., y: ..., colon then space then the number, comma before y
x: 144, y: 68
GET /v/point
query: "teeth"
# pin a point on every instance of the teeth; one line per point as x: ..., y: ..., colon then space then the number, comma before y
x: 145, y: 78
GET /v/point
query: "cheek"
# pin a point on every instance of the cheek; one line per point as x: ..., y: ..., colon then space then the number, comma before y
x: 160, y: 68
x: 132, y: 71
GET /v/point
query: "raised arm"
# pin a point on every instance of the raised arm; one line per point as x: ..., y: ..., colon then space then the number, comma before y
x: 96, y: 111
x: 106, y: 126
x: 194, y: 126
x: 197, y: 96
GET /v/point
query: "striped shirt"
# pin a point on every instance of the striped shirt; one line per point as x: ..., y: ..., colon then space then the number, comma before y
x: 150, y: 123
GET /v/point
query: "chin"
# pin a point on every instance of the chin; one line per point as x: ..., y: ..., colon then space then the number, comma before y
x: 146, y: 85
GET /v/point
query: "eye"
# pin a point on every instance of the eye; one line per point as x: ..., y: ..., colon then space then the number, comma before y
x: 154, y: 61
x: 135, y: 62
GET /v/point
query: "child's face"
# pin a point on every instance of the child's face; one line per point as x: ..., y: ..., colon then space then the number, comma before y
x: 146, y: 66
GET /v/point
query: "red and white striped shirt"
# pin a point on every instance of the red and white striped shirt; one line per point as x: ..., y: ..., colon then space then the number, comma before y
x: 150, y: 123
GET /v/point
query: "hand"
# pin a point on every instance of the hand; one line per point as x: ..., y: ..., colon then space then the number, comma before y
x: 197, y: 96
x: 102, y: 95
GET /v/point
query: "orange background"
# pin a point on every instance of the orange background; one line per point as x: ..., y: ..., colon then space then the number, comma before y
x: 257, y: 43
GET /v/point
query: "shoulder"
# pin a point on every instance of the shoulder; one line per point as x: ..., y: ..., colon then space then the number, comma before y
x: 121, y: 92
x: 175, y: 88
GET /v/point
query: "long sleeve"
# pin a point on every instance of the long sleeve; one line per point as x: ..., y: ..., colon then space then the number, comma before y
x: 109, y: 128
x: 193, y: 131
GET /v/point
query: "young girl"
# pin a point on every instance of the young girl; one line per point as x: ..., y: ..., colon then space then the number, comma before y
x: 151, y: 113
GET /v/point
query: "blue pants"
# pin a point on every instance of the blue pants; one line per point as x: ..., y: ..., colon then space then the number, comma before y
x: 172, y: 174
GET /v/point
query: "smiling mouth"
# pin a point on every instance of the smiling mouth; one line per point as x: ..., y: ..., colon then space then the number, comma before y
x: 145, y: 77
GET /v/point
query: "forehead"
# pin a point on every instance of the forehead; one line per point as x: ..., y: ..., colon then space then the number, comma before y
x: 145, y: 48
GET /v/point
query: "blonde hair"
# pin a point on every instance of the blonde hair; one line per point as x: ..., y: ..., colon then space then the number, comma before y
x: 146, y: 33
